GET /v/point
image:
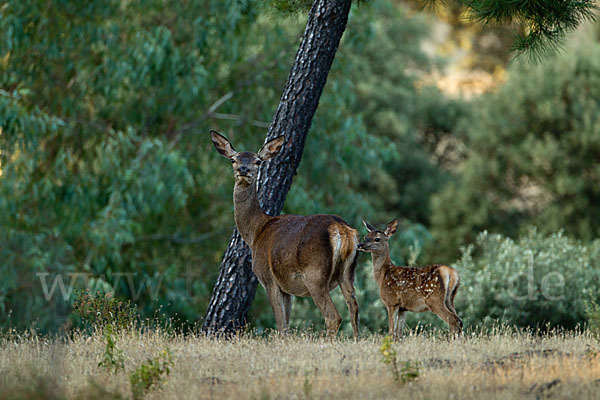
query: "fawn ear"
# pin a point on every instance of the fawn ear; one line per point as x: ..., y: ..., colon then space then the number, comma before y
x: 222, y: 145
x: 391, y: 227
x: 271, y: 148
x: 367, y: 225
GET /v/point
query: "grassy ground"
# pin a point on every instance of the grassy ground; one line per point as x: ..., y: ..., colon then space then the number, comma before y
x: 503, y: 365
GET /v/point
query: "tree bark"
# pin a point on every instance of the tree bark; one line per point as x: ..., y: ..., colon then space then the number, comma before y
x: 236, y: 285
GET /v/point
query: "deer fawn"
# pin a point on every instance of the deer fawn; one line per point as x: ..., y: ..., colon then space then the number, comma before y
x: 292, y: 255
x: 403, y: 289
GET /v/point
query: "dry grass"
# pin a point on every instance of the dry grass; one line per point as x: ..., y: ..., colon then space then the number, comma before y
x: 504, y: 365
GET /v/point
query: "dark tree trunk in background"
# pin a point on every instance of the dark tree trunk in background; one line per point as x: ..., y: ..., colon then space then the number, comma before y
x: 236, y: 285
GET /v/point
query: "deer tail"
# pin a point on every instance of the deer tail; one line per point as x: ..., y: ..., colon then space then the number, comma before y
x: 450, y: 282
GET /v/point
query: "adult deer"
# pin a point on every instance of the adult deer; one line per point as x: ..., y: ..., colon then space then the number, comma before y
x: 431, y: 288
x: 292, y: 255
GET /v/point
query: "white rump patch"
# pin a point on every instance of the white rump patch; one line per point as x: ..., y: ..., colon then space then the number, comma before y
x: 336, y: 244
x: 446, y: 278
x: 337, y: 239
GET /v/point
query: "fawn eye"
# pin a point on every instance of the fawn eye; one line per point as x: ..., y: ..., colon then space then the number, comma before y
x: 377, y: 240
x: 232, y: 160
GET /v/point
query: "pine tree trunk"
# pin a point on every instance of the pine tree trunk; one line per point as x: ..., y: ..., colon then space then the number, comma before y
x: 236, y: 285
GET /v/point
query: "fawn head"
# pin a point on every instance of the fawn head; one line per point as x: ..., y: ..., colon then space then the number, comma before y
x: 245, y: 163
x: 376, y: 240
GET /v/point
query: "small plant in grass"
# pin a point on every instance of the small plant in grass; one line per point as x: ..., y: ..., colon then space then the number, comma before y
x: 112, y: 360
x: 592, y: 312
x: 150, y: 374
x: 410, y: 369
x: 307, y: 386
x: 99, y: 309
x: 388, y: 356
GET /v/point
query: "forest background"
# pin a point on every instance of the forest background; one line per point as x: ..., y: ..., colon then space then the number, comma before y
x: 108, y: 179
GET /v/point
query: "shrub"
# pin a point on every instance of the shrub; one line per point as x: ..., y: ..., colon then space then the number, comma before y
x: 388, y: 356
x: 592, y: 312
x: 150, y: 374
x: 97, y: 310
x: 531, y: 282
x: 410, y: 369
x: 113, y: 359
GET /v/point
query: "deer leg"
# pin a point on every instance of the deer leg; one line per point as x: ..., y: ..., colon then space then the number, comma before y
x: 455, y: 316
x: 391, y: 311
x: 322, y: 299
x: 400, y: 319
x: 450, y: 305
x: 287, y: 308
x: 440, y: 309
x: 276, y: 299
x: 350, y: 297
x: 456, y: 322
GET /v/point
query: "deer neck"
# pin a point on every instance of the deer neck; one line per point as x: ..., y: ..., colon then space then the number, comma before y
x: 381, y: 262
x: 249, y: 217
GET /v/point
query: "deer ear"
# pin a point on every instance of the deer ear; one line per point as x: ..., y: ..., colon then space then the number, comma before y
x: 222, y: 145
x: 271, y: 148
x: 367, y: 225
x: 391, y: 227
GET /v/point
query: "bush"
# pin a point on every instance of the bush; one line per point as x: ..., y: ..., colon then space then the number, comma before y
x: 535, y: 281
x: 97, y: 310
x: 592, y: 312
x: 112, y: 359
x: 150, y: 374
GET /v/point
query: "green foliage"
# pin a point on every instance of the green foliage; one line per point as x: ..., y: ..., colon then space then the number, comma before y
x: 532, y: 282
x: 592, y: 313
x: 151, y: 374
x: 98, y: 311
x: 101, y: 173
x: 112, y: 359
x: 291, y: 6
x: 388, y: 356
x: 546, y: 22
x: 410, y: 369
x: 530, y: 159
x: 407, y: 117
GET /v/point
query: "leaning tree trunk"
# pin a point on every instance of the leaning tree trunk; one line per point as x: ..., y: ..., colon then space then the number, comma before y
x: 236, y: 284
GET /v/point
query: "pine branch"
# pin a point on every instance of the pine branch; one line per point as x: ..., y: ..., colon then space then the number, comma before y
x: 546, y: 22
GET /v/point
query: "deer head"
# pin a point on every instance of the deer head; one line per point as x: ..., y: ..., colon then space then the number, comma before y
x: 245, y: 163
x: 376, y: 241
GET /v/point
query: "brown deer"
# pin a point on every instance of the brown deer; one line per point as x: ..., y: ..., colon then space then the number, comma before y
x: 292, y: 255
x: 431, y: 288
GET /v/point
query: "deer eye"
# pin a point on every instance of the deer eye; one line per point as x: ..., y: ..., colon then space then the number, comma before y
x: 257, y: 162
x: 377, y: 240
x: 232, y: 160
